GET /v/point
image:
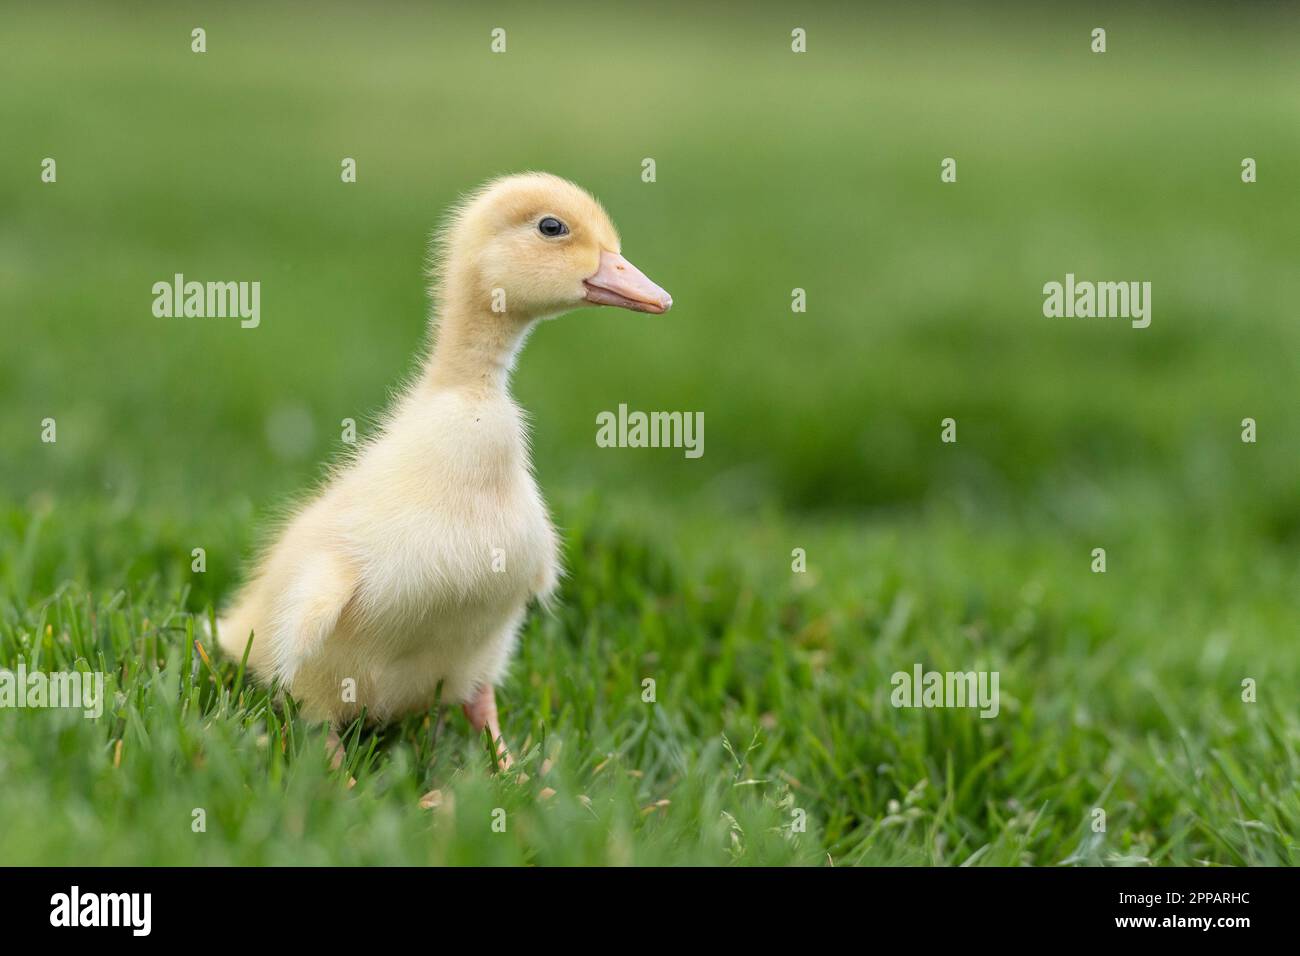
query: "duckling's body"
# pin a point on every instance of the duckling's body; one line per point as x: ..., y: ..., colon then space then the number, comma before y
x: 415, y: 564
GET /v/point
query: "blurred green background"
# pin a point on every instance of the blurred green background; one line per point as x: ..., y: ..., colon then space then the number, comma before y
x: 774, y: 171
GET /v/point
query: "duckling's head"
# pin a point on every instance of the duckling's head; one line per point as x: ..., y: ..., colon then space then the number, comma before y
x: 535, y: 246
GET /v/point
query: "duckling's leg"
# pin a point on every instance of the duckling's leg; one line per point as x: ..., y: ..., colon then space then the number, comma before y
x: 334, y: 749
x: 481, y: 712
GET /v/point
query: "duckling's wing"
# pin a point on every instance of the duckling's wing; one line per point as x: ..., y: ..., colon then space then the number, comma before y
x: 308, y: 612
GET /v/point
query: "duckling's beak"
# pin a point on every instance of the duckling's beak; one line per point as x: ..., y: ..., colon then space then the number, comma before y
x: 618, y: 282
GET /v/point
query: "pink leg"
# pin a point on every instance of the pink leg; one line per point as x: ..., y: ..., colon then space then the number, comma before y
x: 481, y: 712
x: 334, y: 749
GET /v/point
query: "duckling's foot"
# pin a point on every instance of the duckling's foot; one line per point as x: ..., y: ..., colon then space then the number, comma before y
x: 481, y: 712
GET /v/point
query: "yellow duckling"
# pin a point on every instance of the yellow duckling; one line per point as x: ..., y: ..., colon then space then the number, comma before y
x: 415, y: 563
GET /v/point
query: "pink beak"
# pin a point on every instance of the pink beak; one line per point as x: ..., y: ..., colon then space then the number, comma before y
x: 618, y: 282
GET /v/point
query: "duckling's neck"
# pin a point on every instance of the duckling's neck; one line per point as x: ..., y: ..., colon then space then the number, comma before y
x: 474, y: 349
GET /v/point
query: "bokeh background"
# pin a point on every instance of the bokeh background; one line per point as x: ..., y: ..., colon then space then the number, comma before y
x: 774, y: 171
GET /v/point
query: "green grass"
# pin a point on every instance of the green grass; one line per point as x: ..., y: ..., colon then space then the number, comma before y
x: 1119, y: 691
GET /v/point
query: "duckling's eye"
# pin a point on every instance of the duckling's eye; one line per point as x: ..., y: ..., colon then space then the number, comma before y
x: 552, y: 227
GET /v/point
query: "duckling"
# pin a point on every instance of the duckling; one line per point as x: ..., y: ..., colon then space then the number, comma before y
x: 414, y: 564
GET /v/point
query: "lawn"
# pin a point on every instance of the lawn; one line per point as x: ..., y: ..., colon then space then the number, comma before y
x: 771, y: 737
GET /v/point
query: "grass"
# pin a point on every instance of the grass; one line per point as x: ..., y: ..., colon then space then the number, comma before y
x: 1119, y: 691
x: 771, y: 694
